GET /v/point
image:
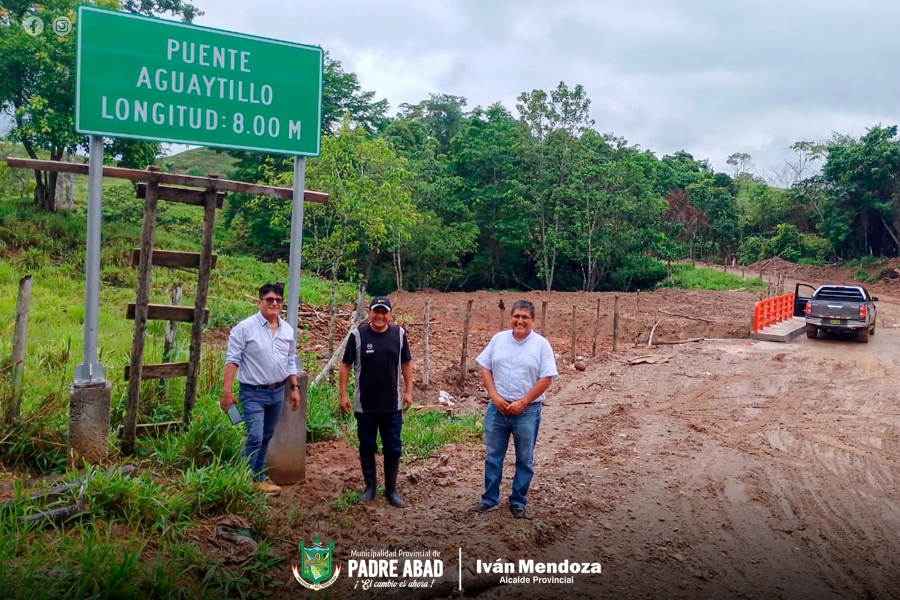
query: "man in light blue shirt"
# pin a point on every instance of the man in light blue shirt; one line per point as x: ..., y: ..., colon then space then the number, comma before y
x: 262, y: 351
x: 517, y: 367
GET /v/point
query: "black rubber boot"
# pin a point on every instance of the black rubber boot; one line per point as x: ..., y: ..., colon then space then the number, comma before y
x: 391, y: 467
x: 370, y: 476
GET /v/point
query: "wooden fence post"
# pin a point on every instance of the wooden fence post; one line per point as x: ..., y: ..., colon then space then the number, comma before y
x: 574, y: 335
x: 133, y: 402
x: 20, y: 337
x: 169, y: 343
x: 544, y: 318
x: 502, y: 308
x: 426, y: 322
x: 465, y: 344
x: 170, y: 325
x: 616, y: 325
x: 361, y: 303
x: 200, y: 297
x: 596, y: 330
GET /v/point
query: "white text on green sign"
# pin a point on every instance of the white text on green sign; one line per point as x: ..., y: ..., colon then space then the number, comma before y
x: 146, y: 78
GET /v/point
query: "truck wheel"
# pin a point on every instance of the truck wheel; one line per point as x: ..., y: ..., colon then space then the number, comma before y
x: 863, y: 336
x: 812, y: 332
x: 874, y: 327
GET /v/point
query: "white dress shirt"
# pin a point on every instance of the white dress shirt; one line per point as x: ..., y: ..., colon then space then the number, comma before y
x: 262, y: 358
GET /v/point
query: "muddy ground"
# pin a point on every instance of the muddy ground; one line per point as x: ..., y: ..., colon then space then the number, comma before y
x: 729, y: 469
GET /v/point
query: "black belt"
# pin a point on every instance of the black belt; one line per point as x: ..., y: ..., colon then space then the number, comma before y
x: 256, y: 388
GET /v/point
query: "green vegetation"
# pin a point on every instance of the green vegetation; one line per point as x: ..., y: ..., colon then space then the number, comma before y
x: 526, y: 197
x: 347, y: 499
x: 426, y: 432
x: 541, y: 200
x: 438, y: 195
x: 139, y: 538
x: 199, y: 161
x: 700, y: 278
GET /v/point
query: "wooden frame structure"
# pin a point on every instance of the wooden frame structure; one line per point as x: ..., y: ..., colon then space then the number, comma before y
x: 155, y: 185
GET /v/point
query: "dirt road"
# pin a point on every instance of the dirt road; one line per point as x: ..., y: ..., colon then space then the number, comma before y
x: 737, y: 469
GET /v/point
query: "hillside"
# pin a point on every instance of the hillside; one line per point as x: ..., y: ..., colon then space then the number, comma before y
x: 198, y: 161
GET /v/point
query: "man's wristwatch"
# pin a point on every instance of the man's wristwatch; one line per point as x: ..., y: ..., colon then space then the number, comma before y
x: 295, y: 386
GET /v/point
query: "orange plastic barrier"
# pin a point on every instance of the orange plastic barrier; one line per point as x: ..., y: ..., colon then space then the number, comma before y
x: 773, y: 310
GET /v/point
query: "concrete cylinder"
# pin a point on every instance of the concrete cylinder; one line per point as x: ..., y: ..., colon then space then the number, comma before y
x: 286, y: 458
x: 89, y: 422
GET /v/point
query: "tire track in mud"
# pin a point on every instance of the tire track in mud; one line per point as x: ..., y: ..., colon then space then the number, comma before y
x: 735, y: 470
x: 820, y: 484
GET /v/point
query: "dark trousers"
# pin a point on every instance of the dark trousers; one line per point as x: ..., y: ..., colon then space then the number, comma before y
x: 389, y: 424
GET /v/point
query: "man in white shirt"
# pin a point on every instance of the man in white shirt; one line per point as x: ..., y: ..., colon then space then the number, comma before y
x: 262, y: 351
x: 517, y: 367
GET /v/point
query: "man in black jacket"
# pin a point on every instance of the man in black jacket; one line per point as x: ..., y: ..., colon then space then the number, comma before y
x: 378, y: 353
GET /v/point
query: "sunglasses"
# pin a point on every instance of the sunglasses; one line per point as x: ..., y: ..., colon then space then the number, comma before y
x: 271, y: 300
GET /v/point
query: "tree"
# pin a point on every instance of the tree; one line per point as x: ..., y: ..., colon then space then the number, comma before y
x: 555, y: 122
x: 489, y: 159
x: 740, y: 163
x: 37, y: 86
x: 342, y: 97
x: 436, y: 250
x: 714, y: 196
x: 614, y: 209
x: 689, y: 219
x: 861, y: 214
x: 370, y: 209
x: 442, y: 115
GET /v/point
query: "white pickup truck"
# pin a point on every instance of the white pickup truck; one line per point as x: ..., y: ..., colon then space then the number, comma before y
x: 841, y: 308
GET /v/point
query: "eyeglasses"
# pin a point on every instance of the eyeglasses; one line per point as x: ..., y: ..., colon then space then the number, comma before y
x: 521, y: 318
x: 271, y: 300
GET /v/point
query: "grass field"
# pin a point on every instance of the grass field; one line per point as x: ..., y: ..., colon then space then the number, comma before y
x: 139, y: 537
x: 199, y: 161
x: 702, y: 278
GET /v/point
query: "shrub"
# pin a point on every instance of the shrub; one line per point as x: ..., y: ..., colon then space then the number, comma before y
x: 751, y: 250
x: 815, y: 248
x: 638, y: 272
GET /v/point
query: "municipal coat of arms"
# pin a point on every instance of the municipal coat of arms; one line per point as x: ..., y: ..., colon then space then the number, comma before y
x: 317, y: 570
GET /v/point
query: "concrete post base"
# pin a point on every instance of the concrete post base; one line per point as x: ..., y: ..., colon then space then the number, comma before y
x: 89, y: 422
x: 286, y: 458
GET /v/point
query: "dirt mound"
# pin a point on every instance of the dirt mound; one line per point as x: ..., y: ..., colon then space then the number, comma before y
x: 774, y: 267
x: 882, y: 279
x: 680, y: 314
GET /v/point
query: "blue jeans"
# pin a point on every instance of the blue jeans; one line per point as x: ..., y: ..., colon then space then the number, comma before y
x: 390, y: 424
x: 261, y: 411
x: 497, y: 429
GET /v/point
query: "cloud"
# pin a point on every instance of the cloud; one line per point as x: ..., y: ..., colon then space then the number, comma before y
x: 706, y: 76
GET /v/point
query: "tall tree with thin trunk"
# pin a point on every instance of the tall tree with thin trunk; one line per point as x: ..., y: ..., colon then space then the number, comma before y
x: 37, y: 86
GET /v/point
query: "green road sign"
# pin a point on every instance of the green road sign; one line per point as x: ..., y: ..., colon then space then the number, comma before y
x: 149, y: 79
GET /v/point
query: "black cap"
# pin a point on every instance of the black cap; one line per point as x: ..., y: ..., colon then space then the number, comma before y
x: 380, y: 301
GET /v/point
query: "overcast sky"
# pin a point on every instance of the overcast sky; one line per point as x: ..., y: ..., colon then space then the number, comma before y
x: 708, y: 76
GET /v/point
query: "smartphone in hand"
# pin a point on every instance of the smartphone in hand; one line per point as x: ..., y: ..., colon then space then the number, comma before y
x: 235, y: 415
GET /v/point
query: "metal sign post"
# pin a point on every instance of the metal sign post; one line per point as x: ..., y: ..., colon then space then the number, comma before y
x: 296, y: 251
x: 90, y: 394
x: 90, y: 370
x: 146, y: 78
x: 286, y: 459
